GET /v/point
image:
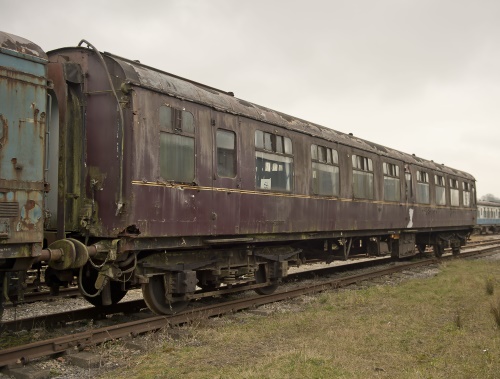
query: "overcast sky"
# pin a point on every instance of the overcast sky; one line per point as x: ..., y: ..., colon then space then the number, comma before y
x: 420, y: 76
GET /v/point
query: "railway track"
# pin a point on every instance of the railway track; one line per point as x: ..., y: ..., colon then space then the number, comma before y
x: 74, y: 292
x: 21, y: 355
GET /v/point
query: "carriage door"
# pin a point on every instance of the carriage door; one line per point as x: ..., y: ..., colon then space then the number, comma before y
x: 226, y: 175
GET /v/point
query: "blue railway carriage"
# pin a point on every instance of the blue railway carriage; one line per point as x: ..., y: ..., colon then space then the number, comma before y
x: 488, y: 217
x: 23, y: 99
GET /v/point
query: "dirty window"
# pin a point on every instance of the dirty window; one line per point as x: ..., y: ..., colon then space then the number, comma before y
x: 454, y: 193
x: 273, y: 162
x: 226, y: 153
x: 440, y: 190
x: 362, y: 177
x: 176, y: 157
x: 176, y: 145
x: 423, y: 187
x: 325, y: 171
x: 466, y: 194
x: 392, y: 188
x: 176, y: 120
x: 166, y: 118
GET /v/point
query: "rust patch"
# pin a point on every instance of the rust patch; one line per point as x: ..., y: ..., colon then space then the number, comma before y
x: 31, y: 213
x: 4, y: 130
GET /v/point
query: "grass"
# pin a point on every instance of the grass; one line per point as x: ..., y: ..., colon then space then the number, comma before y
x: 439, y: 327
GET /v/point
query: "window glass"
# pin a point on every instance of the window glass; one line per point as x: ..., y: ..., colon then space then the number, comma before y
x: 440, y: 190
x: 454, y: 193
x: 325, y: 175
x: 187, y: 122
x: 166, y: 118
x: 314, y: 152
x: 279, y: 144
x: 226, y: 153
x: 259, y: 139
x: 423, y: 187
x: 288, y: 145
x: 362, y: 177
x: 176, y: 120
x: 321, y: 154
x: 268, y: 142
x: 325, y: 179
x: 466, y: 194
x: 392, y: 189
x: 273, y: 170
x: 176, y: 157
x: 176, y: 149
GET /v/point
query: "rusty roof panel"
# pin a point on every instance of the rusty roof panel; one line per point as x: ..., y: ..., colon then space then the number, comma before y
x: 148, y: 77
x: 21, y: 45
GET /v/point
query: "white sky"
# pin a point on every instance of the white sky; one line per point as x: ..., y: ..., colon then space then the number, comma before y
x: 420, y: 76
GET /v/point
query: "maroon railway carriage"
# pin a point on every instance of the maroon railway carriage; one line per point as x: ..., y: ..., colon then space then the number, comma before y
x: 172, y: 184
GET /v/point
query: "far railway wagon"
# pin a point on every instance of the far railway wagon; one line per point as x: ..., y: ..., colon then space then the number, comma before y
x: 488, y: 217
x: 172, y: 184
x: 23, y: 96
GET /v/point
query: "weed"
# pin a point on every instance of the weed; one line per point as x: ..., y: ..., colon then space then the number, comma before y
x: 490, y: 286
x: 458, y: 320
x: 495, y: 311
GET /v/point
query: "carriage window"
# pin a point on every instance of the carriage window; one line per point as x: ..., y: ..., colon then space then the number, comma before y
x: 273, y: 162
x: 226, y: 153
x: 454, y: 193
x: 423, y: 187
x: 176, y: 145
x: 362, y: 177
x: 466, y: 194
x: 392, y: 189
x: 440, y: 190
x: 325, y: 171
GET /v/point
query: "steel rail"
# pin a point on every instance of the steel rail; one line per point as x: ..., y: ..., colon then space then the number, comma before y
x: 26, y: 353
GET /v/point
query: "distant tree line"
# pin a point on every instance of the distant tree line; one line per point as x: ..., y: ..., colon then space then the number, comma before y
x: 490, y: 197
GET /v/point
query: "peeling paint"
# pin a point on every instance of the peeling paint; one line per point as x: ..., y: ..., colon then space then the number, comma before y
x: 410, y: 215
x: 31, y: 213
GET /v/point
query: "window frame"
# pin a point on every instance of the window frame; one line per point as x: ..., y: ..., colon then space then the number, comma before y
x: 440, y: 185
x: 234, y: 150
x: 362, y: 168
x: 391, y: 173
x: 423, y: 183
x: 466, y: 194
x: 280, y: 147
x: 454, y: 192
x: 180, y: 128
x: 331, y: 160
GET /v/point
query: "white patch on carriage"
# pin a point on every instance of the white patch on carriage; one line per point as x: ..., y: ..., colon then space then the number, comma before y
x: 410, y: 223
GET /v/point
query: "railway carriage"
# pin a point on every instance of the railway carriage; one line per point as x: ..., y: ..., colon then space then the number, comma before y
x: 488, y: 217
x: 176, y: 184
x: 173, y: 185
x: 23, y: 97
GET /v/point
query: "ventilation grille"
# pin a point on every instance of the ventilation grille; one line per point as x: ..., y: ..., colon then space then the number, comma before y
x: 10, y: 209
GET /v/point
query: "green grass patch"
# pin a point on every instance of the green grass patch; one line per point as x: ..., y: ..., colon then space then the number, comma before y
x: 439, y: 327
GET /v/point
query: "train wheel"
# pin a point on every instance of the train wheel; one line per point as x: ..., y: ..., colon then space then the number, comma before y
x: 438, y: 250
x: 88, y: 277
x: 455, y: 251
x: 261, y: 277
x: 153, y: 293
